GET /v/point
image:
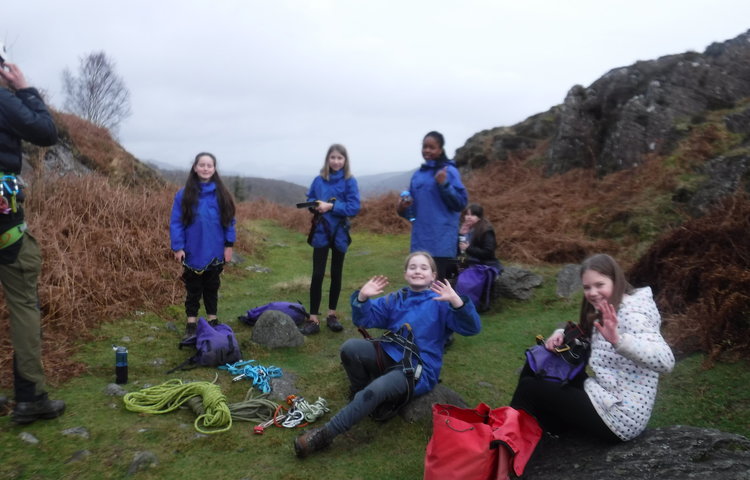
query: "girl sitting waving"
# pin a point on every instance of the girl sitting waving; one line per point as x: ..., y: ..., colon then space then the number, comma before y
x: 384, y: 374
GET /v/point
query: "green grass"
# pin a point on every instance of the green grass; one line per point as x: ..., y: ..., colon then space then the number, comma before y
x: 482, y: 368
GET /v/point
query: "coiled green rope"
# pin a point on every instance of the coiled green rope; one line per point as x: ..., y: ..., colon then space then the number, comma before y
x: 253, y: 409
x: 171, y: 394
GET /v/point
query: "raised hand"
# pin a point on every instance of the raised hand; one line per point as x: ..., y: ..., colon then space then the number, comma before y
x: 608, y: 325
x: 554, y: 340
x: 374, y: 286
x: 441, y: 175
x: 13, y: 76
x: 446, y: 293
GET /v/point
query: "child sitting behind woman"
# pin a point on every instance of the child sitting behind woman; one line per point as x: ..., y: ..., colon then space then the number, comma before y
x: 479, y: 266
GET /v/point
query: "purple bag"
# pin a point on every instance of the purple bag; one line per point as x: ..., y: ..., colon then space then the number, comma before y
x: 552, y: 366
x: 214, y: 346
x: 476, y: 283
x: 296, y: 311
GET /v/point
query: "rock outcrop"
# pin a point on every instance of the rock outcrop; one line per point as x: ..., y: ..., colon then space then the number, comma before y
x: 667, y: 453
x: 627, y: 113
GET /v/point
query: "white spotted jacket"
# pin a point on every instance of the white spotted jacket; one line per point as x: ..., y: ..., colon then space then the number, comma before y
x: 623, y: 388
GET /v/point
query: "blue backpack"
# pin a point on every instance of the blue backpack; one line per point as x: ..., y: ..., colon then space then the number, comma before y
x: 214, y: 346
x: 296, y: 311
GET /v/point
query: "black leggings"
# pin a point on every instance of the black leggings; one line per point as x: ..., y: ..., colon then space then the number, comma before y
x: 559, y: 408
x: 202, y: 285
x: 320, y: 258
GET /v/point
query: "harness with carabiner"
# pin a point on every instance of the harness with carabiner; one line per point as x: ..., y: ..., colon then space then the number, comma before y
x: 410, y: 364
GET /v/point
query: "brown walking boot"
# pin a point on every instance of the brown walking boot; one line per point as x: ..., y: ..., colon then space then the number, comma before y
x: 311, y: 441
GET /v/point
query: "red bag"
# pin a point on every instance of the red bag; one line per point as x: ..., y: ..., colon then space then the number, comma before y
x: 465, y: 441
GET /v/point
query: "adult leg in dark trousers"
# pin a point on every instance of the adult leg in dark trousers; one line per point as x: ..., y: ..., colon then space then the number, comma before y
x: 19, y: 280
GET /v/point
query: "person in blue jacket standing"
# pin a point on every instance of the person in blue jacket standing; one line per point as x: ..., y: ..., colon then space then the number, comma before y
x: 202, y: 237
x: 337, y: 195
x: 437, y: 199
x: 386, y: 373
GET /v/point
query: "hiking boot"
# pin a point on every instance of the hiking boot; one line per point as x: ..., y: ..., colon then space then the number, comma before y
x: 28, y: 412
x: 189, y: 337
x: 246, y: 320
x: 311, y: 441
x: 213, y: 322
x: 309, y: 328
x: 333, y: 323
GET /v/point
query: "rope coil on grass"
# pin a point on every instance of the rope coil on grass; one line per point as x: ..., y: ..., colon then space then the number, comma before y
x: 172, y: 394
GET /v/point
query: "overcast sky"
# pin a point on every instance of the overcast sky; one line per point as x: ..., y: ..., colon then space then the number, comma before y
x: 268, y: 85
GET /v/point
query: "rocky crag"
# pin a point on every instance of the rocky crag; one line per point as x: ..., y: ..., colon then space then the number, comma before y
x: 633, y: 112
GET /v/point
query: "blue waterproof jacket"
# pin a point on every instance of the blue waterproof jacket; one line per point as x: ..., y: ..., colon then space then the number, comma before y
x: 431, y: 322
x: 333, y: 229
x: 204, y: 239
x: 437, y: 209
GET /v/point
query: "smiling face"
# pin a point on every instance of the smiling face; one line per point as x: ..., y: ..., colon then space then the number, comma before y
x: 336, y: 160
x: 431, y: 148
x: 419, y: 274
x: 596, y: 287
x: 204, y: 168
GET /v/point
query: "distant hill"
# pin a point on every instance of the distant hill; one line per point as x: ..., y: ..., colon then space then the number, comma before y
x: 378, y: 184
x: 369, y: 185
x: 247, y: 188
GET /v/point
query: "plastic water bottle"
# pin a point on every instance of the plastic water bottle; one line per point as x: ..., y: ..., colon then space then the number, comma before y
x: 409, y: 212
x: 121, y: 364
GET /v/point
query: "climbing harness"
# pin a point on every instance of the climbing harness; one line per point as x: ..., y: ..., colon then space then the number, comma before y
x: 172, y: 394
x: 410, y: 364
x: 259, y: 374
x: 12, y: 235
x: 215, y: 264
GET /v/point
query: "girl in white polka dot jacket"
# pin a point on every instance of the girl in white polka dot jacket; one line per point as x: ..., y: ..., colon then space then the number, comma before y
x: 627, y: 355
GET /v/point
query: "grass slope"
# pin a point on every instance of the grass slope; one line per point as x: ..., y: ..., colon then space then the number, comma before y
x: 481, y: 368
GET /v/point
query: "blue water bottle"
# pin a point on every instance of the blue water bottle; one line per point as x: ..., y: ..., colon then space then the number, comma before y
x: 121, y: 364
x: 409, y: 212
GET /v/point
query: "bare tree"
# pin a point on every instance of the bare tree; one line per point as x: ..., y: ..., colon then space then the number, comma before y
x: 97, y: 94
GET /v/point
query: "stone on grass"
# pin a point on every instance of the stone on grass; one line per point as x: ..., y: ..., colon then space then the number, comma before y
x: 568, y: 280
x: 114, y: 390
x: 516, y: 283
x: 28, y: 438
x: 275, y: 329
x: 142, y: 461
x: 420, y: 408
x: 76, y: 432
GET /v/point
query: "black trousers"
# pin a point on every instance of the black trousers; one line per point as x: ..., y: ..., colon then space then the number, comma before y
x: 320, y: 258
x: 559, y: 408
x: 202, y: 285
x: 447, y: 268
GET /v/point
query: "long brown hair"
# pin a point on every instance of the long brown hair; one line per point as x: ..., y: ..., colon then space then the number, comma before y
x: 325, y: 172
x: 193, y: 188
x: 607, y: 266
x: 482, y: 225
